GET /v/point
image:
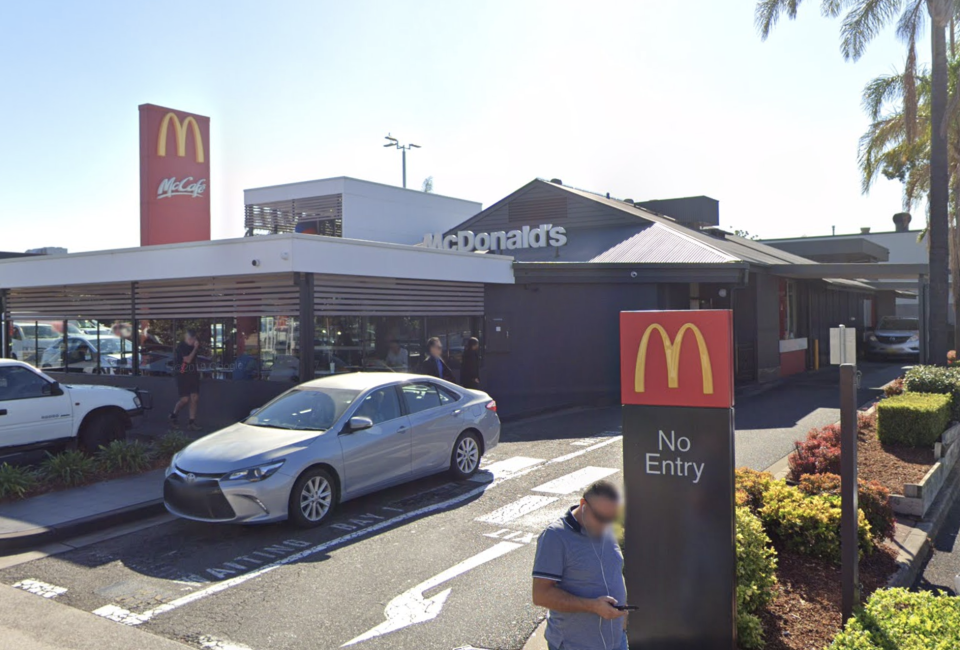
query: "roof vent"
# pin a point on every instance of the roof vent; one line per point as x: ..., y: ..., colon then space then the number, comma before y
x: 865, y: 230
x: 556, y: 181
x: 630, y: 201
x: 902, y: 221
x: 716, y: 231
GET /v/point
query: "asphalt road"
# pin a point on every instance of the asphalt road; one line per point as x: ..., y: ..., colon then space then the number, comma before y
x: 433, y: 564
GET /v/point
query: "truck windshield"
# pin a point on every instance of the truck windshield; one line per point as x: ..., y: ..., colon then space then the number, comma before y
x: 894, y: 323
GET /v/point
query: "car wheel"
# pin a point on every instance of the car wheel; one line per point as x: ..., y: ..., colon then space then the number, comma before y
x: 313, y: 498
x: 465, y: 460
x: 100, y: 429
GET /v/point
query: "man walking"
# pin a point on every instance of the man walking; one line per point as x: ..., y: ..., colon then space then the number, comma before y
x: 434, y: 365
x: 578, y: 575
x: 188, y: 379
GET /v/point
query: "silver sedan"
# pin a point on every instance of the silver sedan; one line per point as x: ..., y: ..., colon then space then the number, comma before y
x: 330, y: 440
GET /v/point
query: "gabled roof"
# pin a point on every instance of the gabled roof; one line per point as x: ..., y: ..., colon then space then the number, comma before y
x: 660, y: 244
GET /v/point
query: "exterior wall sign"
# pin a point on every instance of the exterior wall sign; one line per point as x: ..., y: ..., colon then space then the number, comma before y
x: 174, y: 176
x: 527, y: 237
x: 677, y: 394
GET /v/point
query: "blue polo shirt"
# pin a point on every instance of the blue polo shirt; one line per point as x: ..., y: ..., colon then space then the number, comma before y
x: 588, y: 567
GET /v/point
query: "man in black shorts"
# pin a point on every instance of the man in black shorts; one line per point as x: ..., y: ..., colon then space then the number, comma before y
x: 188, y: 379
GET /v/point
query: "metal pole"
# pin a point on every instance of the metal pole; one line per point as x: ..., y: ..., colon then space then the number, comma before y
x: 404, y: 150
x: 135, y: 334
x: 849, y: 543
x: 922, y: 314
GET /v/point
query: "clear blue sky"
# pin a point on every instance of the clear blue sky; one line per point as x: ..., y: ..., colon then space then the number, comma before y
x: 640, y: 99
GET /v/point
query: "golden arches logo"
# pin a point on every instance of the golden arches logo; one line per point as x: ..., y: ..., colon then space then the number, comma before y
x: 180, y: 131
x: 671, y: 350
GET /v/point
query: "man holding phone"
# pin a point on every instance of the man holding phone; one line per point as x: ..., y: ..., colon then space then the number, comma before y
x: 578, y: 575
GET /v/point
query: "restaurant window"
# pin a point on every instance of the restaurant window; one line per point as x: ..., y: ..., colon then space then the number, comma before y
x: 339, y: 344
x: 453, y: 332
x: 279, y: 354
x: 788, y: 309
x: 394, y: 343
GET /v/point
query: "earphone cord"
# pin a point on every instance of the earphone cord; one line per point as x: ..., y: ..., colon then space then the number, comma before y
x: 603, y: 639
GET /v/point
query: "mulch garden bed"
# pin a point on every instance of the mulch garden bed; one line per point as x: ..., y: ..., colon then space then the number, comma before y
x: 805, y: 613
x: 891, y: 465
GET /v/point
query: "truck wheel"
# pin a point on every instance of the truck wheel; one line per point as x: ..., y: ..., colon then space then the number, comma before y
x: 100, y: 429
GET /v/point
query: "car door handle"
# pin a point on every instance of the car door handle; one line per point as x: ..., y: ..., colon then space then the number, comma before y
x: 402, y: 430
x: 457, y: 411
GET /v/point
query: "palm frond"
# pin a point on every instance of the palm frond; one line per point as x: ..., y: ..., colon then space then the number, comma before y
x: 912, y: 21
x: 768, y: 13
x: 910, y: 92
x: 881, y: 92
x: 832, y: 8
x: 863, y: 22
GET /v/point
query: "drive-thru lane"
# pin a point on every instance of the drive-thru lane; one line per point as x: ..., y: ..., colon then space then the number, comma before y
x: 433, y: 564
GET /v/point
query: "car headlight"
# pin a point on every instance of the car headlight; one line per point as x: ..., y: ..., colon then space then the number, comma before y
x: 873, y: 337
x: 137, y: 402
x: 914, y: 338
x: 254, y: 474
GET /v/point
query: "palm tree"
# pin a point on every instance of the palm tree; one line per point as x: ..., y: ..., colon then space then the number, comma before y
x: 862, y: 21
x: 887, y: 149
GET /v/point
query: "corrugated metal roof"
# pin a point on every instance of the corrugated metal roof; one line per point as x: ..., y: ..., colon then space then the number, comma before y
x: 661, y: 244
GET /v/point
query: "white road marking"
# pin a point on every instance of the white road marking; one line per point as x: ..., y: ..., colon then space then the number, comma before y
x: 213, y: 643
x: 504, y: 468
x: 517, y: 509
x: 583, y: 443
x: 518, y: 536
x: 575, y: 481
x: 41, y: 588
x: 110, y: 611
x: 410, y: 607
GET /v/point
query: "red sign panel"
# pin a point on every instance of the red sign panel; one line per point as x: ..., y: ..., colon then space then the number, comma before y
x: 677, y: 358
x: 174, y: 176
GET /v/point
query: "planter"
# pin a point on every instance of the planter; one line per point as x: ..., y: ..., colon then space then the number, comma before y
x: 918, y: 497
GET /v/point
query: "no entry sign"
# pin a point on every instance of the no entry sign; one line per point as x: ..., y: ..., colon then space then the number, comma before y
x: 677, y: 393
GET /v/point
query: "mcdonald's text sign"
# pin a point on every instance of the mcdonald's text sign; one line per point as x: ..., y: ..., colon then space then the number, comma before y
x: 174, y: 176
x: 677, y: 358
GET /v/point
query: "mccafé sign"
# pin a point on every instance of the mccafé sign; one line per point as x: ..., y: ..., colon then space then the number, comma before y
x: 527, y: 237
x: 677, y: 358
x: 174, y: 176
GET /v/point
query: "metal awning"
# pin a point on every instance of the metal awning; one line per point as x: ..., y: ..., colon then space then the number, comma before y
x: 850, y: 271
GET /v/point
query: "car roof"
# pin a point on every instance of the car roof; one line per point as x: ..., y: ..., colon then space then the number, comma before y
x: 14, y: 362
x: 363, y: 380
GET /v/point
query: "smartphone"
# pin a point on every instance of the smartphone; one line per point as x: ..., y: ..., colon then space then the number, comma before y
x: 626, y: 608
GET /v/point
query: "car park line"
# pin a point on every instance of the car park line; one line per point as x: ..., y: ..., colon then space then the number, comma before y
x: 575, y: 480
x: 516, y: 509
x: 127, y: 617
x: 213, y: 643
x: 40, y: 588
x: 503, y: 468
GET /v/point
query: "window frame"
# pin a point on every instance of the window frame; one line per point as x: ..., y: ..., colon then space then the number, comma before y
x: 46, y: 383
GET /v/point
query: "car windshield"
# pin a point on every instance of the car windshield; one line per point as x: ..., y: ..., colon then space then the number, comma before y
x: 894, y: 323
x: 304, y: 409
x: 44, y: 331
x: 112, y: 346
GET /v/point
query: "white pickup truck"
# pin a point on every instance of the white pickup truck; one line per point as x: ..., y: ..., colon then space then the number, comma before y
x: 37, y: 411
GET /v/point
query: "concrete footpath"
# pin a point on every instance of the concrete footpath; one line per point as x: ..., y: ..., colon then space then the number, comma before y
x: 58, y: 627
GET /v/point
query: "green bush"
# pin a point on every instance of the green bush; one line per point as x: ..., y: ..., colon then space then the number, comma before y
x: 756, y: 577
x: 808, y: 524
x: 71, y: 467
x: 16, y: 481
x: 124, y: 456
x: 935, y: 379
x: 897, y: 619
x: 170, y: 443
x: 913, y: 419
x: 751, y: 486
x: 873, y: 500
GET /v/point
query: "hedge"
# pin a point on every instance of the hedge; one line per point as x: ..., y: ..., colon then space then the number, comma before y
x: 936, y: 379
x: 873, y: 499
x: 913, y: 419
x: 756, y: 577
x: 903, y: 620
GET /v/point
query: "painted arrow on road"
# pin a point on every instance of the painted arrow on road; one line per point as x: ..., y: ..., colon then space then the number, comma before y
x: 411, y: 607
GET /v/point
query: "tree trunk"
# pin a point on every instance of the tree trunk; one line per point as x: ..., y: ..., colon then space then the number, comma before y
x: 939, y: 189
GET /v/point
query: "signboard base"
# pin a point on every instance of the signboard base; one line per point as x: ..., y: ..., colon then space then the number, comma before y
x: 680, y: 537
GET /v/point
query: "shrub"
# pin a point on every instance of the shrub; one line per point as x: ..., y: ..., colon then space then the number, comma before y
x: 124, y: 456
x: 897, y: 618
x: 866, y: 421
x: 873, y: 500
x: 16, y: 481
x: 752, y: 485
x: 170, y: 443
x: 808, y: 524
x: 756, y: 567
x: 70, y: 467
x: 935, y: 379
x: 818, y: 454
x: 913, y: 419
x: 895, y: 387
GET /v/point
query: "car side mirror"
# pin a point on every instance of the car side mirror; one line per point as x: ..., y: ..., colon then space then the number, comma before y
x: 52, y: 389
x: 359, y: 423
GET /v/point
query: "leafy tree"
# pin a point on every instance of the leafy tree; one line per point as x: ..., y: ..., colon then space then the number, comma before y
x: 862, y: 20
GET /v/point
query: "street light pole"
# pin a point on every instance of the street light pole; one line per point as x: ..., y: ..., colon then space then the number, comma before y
x: 393, y: 142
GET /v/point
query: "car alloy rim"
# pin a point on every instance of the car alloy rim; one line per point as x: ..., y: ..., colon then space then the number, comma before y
x: 315, y: 498
x: 467, y: 455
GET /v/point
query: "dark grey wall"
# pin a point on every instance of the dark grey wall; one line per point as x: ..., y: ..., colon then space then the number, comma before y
x: 222, y: 402
x: 558, y: 345
x: 768, y: 326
